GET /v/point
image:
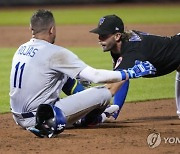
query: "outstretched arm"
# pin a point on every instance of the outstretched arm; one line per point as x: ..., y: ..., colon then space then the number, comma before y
x: 104, y: 76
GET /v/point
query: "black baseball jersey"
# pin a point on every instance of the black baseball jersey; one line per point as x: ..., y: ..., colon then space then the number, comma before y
x: 162, y: 52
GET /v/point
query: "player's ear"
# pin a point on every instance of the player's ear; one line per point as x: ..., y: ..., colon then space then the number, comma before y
x: 117, y: 36
x: 52, y: 30
x: 31, y: 29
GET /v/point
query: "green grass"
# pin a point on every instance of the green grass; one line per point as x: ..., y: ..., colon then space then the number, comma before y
x: 148, y: 89
x: 130, y: 15
x: 140, y: 89
x: 5, y: 65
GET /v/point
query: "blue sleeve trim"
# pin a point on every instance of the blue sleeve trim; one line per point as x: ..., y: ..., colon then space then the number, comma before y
x: 123, y: 74
x: 72, y: 86
x: 77, y: 88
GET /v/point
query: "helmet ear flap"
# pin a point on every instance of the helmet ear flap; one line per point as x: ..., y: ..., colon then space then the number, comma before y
x: 50, y: 120
x: 60, y: 120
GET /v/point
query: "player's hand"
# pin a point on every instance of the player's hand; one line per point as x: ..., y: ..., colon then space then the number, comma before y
x: 141, y: 69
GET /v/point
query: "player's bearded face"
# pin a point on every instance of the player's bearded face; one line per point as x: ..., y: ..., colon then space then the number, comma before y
x: 107, y: 42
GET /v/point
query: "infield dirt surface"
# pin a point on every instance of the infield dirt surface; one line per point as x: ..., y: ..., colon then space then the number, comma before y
x: 128, y: 134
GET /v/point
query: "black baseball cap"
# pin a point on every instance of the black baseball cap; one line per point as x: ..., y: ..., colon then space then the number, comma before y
x: 109, y: 24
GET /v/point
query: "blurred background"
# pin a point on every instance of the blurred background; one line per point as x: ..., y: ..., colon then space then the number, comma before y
x: 70, y: 2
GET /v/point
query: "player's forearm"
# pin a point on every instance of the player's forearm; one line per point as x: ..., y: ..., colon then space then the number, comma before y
x: 102, y: 76
x: 114, y: 87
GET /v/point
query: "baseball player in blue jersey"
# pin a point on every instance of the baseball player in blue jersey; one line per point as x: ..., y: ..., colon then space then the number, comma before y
x: 41, y: 70
x: 127, y: 46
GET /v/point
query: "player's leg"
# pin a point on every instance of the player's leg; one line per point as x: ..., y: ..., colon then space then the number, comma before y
x: 80, y: 104
x: 99, y: 116
x: 105, y: 114
x: 177, y: 92
x: 24, y: 122
x: 112, y: 111
x: 120, y: 96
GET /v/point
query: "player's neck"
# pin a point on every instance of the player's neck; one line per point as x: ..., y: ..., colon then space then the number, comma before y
x: 117, y: 48
x: 41, y: 37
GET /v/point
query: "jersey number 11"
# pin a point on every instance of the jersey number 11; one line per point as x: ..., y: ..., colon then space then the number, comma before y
x: 17, y: 68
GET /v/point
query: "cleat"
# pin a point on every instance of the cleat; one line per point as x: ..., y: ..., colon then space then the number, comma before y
x: 107, y: 115
x: 111, y: 109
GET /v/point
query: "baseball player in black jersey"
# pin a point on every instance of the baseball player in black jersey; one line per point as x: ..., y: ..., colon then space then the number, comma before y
x: 127, y: 46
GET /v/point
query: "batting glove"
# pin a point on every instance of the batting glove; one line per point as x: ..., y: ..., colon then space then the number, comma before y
x: 141, y: 69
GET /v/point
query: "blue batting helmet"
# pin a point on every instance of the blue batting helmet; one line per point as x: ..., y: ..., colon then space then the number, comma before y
x: 50, y: 121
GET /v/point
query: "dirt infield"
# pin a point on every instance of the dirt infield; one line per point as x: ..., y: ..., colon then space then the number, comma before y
x: 128, y: 134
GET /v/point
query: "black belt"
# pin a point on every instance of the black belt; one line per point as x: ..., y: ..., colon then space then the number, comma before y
x: 24, y: 115
x: 27, y: 115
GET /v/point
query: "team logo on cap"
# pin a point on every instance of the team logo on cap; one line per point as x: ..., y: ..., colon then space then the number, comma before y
x: 101, y: 21
x: 117, y: 28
